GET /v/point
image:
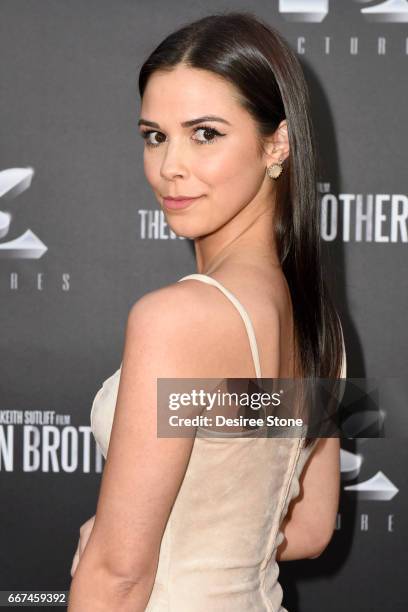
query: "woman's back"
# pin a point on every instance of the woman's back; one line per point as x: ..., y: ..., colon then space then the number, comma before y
x: 264, y: 293
x: 219, y: 545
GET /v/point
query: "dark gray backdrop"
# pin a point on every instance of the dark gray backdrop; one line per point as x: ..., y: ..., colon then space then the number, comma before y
x: 96, y: 242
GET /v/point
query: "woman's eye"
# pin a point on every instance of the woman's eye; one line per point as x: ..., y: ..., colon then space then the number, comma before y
x: 209, y: 133
x: 154, y: 138
x: 146, y: 135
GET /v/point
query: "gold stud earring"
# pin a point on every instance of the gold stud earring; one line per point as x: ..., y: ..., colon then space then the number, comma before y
x: 275, y: 170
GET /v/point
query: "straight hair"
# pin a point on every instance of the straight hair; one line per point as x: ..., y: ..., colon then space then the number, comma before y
x: 268, y: 77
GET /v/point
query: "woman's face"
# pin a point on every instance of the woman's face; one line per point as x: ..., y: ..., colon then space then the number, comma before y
x: 218, y: 160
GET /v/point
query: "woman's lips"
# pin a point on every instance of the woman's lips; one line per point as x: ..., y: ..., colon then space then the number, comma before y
x: 178, y: 204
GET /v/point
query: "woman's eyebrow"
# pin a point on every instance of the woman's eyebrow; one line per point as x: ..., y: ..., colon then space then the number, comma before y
x: 189, y: 123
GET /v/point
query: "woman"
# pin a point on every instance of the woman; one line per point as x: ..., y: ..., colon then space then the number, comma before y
x: 194, y: 524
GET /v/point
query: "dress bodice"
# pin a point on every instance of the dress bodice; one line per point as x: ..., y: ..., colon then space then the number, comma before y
x: 218, y: 549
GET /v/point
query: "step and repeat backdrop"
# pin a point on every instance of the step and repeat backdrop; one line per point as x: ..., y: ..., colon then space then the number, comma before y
x: 82, y: 238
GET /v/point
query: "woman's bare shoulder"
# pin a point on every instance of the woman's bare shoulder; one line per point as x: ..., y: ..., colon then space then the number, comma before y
x: 199, y: 322
x: 172, y: 303
x: 184, y: 319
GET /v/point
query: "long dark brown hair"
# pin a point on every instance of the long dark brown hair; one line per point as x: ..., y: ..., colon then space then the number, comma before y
x: 258, y: 61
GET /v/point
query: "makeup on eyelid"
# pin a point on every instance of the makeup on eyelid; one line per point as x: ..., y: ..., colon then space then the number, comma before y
x: 215, y: 133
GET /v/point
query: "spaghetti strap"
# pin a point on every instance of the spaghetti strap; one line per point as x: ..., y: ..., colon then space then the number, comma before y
x: 242, y: 311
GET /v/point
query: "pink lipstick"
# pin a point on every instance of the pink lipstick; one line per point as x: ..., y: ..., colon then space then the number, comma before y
x: 179, y: 202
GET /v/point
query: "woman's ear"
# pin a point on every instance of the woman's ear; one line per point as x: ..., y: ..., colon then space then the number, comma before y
x: 276, y: 146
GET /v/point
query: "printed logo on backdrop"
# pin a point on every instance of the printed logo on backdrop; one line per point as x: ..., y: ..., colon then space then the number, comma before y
x: 46, y: 441
x: 153, y: 226
x: 378, y: 488
x: 349, y: 217
x: 363, y: 217
x: 379, y: 411
x: 314, y: 11
x: 13, y: 182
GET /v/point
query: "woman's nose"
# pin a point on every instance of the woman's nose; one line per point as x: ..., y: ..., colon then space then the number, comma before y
x: 175, y: 161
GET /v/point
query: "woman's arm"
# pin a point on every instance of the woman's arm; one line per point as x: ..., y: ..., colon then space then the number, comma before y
x: 166, y: 337
x: 96, y: 588
x: 297, y: 543
x: 308, y: 527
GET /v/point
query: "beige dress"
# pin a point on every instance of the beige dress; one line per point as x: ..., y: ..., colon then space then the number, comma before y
x: 218, y: 549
